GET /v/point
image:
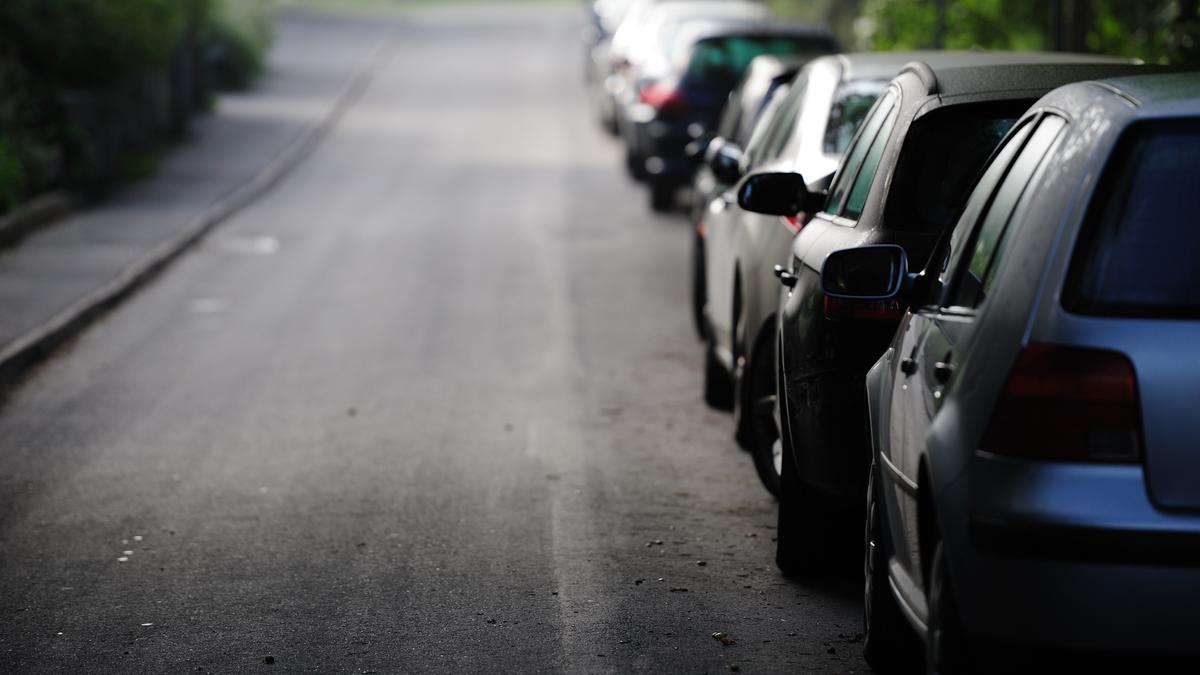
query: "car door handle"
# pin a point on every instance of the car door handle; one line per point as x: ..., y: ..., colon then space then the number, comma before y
x: 785, y: 277
x: 908, y: 366
x: 942, y: 371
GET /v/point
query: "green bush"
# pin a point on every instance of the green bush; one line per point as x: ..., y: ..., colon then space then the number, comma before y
x: 12, y: 176
x: 236, y: 37
x: 83, y: 82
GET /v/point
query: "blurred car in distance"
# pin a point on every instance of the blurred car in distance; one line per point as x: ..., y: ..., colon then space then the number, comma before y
x: 705, y: 62
x: 818, y: 118
x: 902, y: 181
x: 641, y: 25
x: 1035, y: 479
x: 762, y: 88
x: 648, y: 57
x: 761, y: 83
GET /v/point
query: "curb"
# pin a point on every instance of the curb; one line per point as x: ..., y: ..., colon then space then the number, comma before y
x: 36, y: 214
x: 38, y: 343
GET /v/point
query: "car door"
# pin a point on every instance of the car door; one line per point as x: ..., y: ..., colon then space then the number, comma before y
x: 937, y: 334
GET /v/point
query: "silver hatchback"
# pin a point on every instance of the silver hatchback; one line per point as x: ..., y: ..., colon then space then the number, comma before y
x: 1036, y: 420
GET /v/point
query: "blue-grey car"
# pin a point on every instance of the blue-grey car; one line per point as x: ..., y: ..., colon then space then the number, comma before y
x: 1034, y: 426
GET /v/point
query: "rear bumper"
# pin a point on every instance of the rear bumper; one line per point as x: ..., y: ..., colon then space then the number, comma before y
x: 1071, y: 556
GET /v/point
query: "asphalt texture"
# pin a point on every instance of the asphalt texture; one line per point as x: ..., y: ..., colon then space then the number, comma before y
x: 432, y: 404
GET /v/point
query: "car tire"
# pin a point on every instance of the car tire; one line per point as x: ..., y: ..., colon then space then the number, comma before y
x: 718, y: 386
x: 635, y: 165
x: 945, y: 644
x: 699, y: 286
x: 763, y: 439
x: 888, y: 641
x: 662, y: 196
x: 806, y: 519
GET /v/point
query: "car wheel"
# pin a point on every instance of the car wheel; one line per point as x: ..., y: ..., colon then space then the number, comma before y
x: 806, y: 519
x: 945, y: 646
x: 718, y: 387
x: 764, y: 441
x: 662, y: 196
x: 699, y: 288
x: 888, y: 642
x: 635, y: 165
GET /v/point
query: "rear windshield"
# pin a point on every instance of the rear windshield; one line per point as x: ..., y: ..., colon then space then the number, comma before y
x: 720, y: 61
x: 1137, y: 255
x: 850, y: 106
x: 942, y: 157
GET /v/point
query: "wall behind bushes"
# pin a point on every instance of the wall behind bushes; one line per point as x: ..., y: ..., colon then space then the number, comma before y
x: 89, y: 89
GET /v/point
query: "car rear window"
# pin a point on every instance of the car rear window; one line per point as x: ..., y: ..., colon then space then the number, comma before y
x: 720, y: 61
x: 1137, y: 254
x: 943, y: 155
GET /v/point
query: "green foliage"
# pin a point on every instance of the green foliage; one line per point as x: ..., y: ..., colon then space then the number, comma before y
x: 88, y: 87
x: 89, y: 42
x: 1157, y: 31
x: 12, y: 176
x: 237, y: 36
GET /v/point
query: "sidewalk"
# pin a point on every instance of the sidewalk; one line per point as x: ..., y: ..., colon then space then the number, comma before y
x: 54, y: 281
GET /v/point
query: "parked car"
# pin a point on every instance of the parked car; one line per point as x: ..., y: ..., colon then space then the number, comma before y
x: 760, y: 85
x: 1035, y: 478
x: 647, y: 59
x: 763, y: 87
x: 603, y: 17
x: 683, y: 101
x: 903, y: 181
x: 636, y: 32
x: 816, y: 122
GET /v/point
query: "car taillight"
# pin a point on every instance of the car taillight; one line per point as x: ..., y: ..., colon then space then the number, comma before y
x: 793, y: 223
x: 1068, y: 404
x: 881, y: 310
x: 662, y: 98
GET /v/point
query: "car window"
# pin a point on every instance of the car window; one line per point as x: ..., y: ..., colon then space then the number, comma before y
x: 1137, y: 254
x: 718, y: 62
x: 866, y: 175
x: 940, y: 161
x: 949, y: 255
x: 851, y: 103
x: 853, y: 160
x: 975, y: 279
x: 785, y: 120
x: 731, y: 115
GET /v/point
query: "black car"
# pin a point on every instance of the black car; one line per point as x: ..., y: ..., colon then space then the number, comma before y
x: 902, y: 181
x: 683, y: 100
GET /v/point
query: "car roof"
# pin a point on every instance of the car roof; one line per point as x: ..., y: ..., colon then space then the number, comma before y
x: 958, y: 73
x: 875, y: 65
x: 703, y: 8
x: 1147, y: 90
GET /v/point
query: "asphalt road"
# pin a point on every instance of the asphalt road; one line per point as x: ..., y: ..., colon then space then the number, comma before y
x: 433, y: 404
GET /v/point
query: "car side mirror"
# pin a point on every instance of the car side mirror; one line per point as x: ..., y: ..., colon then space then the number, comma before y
x: 700, y: 147
x: 874, y: 272
x: 726, y: 162
x: 775, y: 194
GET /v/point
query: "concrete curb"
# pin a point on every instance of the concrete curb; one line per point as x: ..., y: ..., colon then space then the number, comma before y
x: 37, y: 344
x: 36, y: 214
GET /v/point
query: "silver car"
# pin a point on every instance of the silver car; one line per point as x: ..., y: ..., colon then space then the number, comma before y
x: 1036, y: 468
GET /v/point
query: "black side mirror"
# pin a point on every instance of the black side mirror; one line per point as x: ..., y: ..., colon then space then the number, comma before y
x: 774, y: 194
x: 726, y: 162
x: 875, y: 272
